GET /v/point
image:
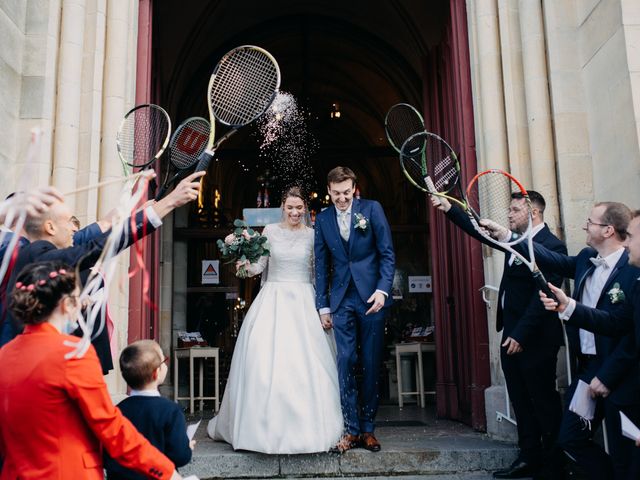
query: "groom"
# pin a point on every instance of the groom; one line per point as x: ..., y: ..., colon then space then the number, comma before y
x: 353, y: 247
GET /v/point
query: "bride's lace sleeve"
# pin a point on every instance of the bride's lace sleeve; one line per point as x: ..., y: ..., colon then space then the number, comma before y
x: 261, y: 265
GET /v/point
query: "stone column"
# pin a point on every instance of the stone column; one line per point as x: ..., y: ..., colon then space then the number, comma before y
x: 515, y: 110
x: 91, y: 110
x: 538, y: 106
x: 492, y: 147
x: 67, y: 120
x: 117, y: 98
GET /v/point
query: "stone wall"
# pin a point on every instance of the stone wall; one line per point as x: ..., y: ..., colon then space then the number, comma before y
x: 67, y: 67
x: 556, y: 101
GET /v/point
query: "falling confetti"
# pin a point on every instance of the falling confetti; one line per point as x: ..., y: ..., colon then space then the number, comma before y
x: 286, y: 144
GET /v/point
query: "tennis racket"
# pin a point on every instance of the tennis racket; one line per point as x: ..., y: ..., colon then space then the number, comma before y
x: 143, y: 135
x: 185, y: 147
x: 242, y: 87
x: 431, y: 165
x: 490, y: 194
x: 402, y: 121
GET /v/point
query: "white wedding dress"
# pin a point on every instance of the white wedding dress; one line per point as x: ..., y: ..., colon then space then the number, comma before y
x: 282, y: 395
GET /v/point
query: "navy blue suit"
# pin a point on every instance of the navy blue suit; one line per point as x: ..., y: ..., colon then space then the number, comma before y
x: 82, y: 257
x: 615, y: 364
x: 530, y: 375
x: 162, y: 422
x: 8, y: 330
x: 347, y: 274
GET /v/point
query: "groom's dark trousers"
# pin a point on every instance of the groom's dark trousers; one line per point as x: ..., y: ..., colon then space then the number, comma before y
x: 353, y: 327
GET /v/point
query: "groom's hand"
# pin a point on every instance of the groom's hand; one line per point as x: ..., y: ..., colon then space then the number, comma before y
x: 325, y: 320
x: 378, y: 299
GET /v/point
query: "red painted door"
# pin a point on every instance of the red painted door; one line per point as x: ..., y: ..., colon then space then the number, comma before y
x: 461, y: 323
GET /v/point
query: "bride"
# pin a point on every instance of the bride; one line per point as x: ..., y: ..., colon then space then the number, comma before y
x: 282, y: 395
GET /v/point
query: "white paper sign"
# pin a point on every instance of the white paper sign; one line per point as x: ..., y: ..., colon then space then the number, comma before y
x: 210, y: 271
x: 582, y: 403
x: 191, y: 430
x: 629, y: 429
x: 419, y: 284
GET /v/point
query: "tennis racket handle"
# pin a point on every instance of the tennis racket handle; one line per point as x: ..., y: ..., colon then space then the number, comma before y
x: 203, y: 161
x: 162, y: 192
x: 542, y: 284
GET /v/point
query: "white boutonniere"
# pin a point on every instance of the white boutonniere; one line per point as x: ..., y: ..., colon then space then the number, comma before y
x: 360, y: 222
x: 616, y: 295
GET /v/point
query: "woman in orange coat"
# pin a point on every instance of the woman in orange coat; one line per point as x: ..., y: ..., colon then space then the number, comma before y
x: 56, y: 413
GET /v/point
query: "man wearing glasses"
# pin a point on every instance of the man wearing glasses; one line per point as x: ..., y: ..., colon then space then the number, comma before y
x: 603, y: 280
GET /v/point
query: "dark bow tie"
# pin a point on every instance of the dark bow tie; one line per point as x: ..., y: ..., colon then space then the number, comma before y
x: 599, y: 261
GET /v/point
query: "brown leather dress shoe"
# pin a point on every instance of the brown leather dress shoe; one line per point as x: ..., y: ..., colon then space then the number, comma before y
x: 347, y: 442
x: 370, y: 442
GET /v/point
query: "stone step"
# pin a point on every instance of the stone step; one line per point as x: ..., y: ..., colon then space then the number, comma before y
x: 454, y: 476
x: 445, y: 452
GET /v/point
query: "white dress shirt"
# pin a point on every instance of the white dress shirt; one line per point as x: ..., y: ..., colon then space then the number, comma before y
x: 144, y: 393
x: 591, y: 292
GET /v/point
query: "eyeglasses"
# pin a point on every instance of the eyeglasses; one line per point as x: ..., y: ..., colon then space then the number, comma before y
x: 589, y: 222
x: 165, y: 361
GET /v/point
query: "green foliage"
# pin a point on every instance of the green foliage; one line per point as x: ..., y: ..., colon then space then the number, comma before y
x: 244, y: 244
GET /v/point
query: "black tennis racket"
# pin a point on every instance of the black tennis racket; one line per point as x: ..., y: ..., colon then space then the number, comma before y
x: 143, y: 135
x: 186, y: 145
x: 242, y: 87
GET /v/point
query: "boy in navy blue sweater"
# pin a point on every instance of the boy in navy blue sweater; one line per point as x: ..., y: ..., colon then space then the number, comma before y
x: 161, y: 421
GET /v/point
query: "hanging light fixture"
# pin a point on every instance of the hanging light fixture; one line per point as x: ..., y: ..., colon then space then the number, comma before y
x: 335, y: 110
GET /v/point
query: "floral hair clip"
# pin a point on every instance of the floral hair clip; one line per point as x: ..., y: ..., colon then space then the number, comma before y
x: 25, y: 288
x: 54, y: 274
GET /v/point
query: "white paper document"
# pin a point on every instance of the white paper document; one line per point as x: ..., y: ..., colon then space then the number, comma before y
x: 191, y: 430
x: 582, y: 404
x: 629, y: 429
x: 191, y: 477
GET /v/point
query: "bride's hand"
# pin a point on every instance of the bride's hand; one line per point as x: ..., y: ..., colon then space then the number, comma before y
x: 325, y: 321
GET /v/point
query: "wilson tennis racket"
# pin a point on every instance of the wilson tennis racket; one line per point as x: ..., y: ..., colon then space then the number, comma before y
x: 143, y: 135
x: 186, y: 145
x: 431, y: 165
x: 402, y: 121
x: 490, y: 194
x: 242, y: 87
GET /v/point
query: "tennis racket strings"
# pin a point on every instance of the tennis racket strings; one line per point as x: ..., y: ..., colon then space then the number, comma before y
x: 402, y: 121
x: 489, y: 195
x: 430, y: 163
x: 245, y: 84
x: 143, y: 135
x: 188, y: 142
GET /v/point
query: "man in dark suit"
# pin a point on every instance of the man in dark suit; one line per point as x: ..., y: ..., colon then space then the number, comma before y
x: 530, y: 338
x: 8, y: 329
x: 603, y: 302
x: 51, y: 237
x: 355, y: 263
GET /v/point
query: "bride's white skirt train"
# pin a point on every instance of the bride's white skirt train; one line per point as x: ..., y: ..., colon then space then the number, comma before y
x: 282, y: 395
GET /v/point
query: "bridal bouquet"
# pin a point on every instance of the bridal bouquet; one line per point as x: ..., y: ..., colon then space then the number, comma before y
x: 243, y: 247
